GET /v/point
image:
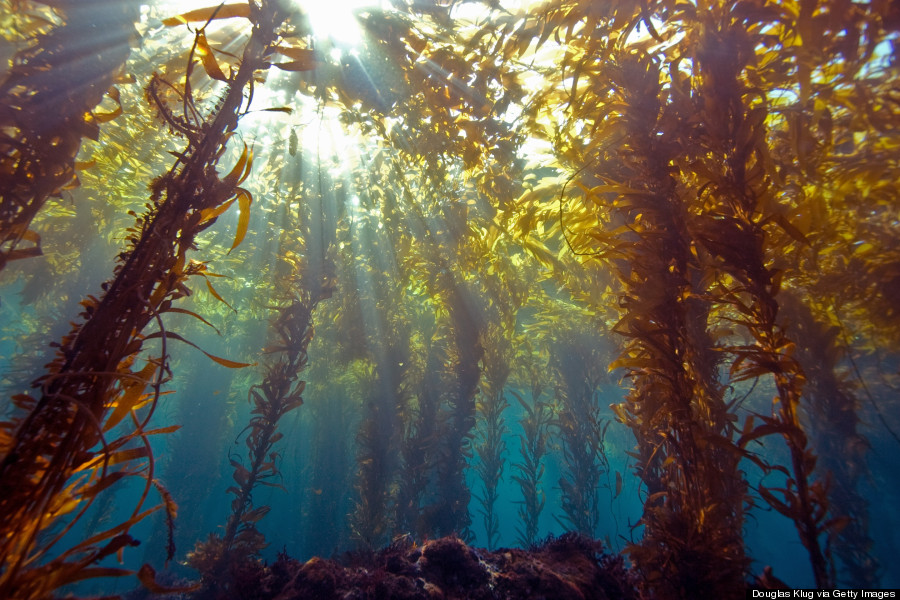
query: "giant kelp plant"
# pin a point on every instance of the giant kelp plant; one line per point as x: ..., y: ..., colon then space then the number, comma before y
x: 510, y: 207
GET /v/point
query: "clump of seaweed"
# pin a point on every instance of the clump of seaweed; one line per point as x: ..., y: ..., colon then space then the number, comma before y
x: 535, y: 421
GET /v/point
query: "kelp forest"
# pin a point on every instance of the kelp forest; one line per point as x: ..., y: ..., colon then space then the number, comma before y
x: 448, y: 298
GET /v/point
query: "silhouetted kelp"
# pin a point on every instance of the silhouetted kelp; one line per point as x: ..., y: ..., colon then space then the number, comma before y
x: 831, y: 406
x: 304, y: 277
x: 536, y: 419
x: 93, y: 384
x: 46, y: 105
x: 577, y: 362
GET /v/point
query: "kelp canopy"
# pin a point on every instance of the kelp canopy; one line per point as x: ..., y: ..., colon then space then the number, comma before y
x: 496, y: 269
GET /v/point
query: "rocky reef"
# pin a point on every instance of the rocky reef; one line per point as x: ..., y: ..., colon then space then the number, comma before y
x: 570, y: 567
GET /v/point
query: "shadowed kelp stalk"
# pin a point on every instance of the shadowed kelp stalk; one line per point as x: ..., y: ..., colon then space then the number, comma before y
x: 92, y: 385
x: 536, y: 419
x: 46, y: 101
x: 831, y: 404
x: 304, y: 277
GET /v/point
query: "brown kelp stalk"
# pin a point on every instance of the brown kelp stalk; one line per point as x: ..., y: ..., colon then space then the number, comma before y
x: 832, y: 406
x: 304, y: 277
x: 578, y: 365
x: 491, y: 447
x: 535, y: 421
x: 420, y: 441
x: 91, y: 385
x: 450, y: 506
x: 378, y: 454
x: 692, y: 542
x: 379, y: 438
x: 279, y: 393
x: 731, y: 228
x: 433, y: 497
x: 45, y: 110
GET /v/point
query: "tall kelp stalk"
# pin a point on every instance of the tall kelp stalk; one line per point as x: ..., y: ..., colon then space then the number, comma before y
x: 46, y: 101
x: 378, y: 443
x: 93, y: 384
x: 387, y: 341
x: 279, y: 393
x: 420, y: 440
x: 535, y: 421
x: 832, y: 406
x: 303, y: 277
x: 445, y: 510
x: 692, y: 540
x: 490, y: 447
x: 733, y: 155
x: 577, y: 362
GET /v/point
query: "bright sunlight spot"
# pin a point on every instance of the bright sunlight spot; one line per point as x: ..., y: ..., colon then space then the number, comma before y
x: 335, y: 20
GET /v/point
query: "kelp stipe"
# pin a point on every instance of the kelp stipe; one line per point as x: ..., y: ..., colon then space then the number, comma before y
x: 378, y: 442
x: 94, y: 383
x: 304, y: 277
x: 491, y: 446
x: 535, y: 421
x: 444, y: 508
x: 279, y: 393
x: 831, y: 405
x: 692, y: 541
x: 387, y: 397
x: 731, y: 227
x: 46, y: 109
x: 577, y: 363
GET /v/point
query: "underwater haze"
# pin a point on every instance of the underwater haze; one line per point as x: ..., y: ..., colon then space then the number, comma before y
x: 280, y: 279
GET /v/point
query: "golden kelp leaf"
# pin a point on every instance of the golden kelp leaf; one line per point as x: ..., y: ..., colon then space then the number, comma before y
x: 304, y: 59
x: 185, y: 311
x: 231, y: 364
x: 244, y: 198
x: 105, y: 117
x: 211, y: 213
x: 209, y: 61
x: 304, y: 64
x: 228, y: 11
x: 112, y: 532
x: 159, y: 430
x: 216, y: 295
x: 127, y: 455
x: 242, y: 169
x: 133, y: 390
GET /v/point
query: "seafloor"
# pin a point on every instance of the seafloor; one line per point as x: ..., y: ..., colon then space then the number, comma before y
x: 570, y: 567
